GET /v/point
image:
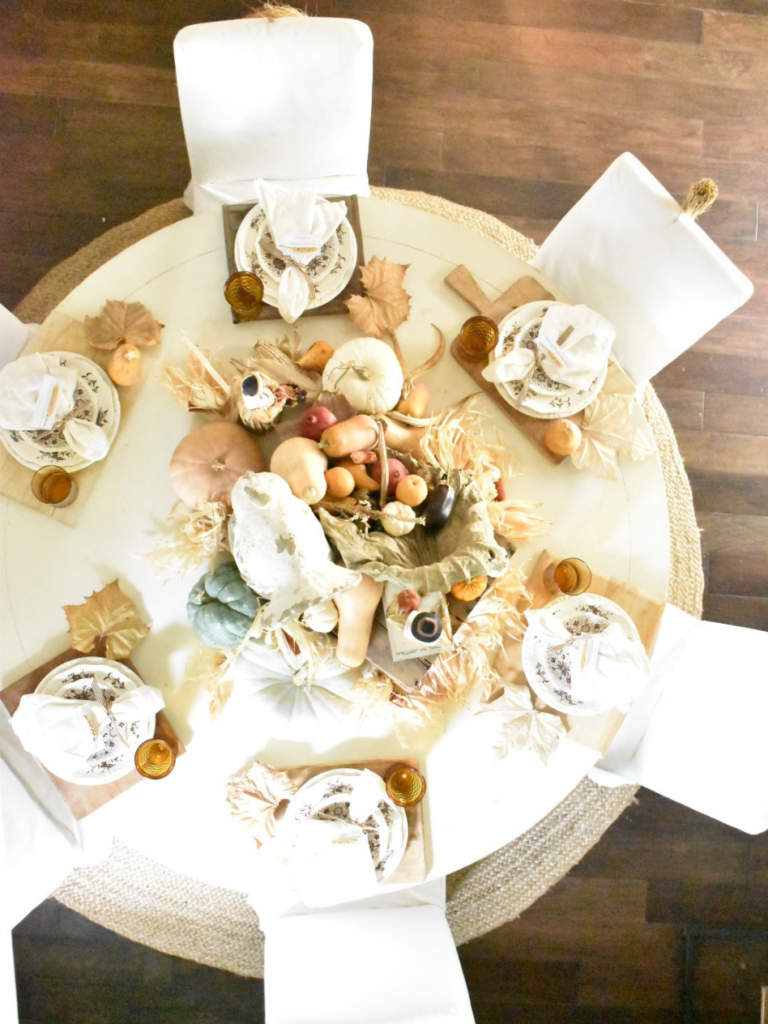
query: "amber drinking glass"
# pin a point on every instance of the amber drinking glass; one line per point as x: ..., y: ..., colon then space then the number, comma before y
x: 154, y: 759
x: 53, y: 485
x: 244, y: 292
x: 478, y: 338
x: 571, y: 576
x: 405, y: 785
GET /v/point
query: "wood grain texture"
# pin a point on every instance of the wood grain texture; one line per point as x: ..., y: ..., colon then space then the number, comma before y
x: 514, y: 107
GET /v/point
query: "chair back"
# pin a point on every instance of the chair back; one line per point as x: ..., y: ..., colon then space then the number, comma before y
x: 286, y: 100
x: 13, y: 336
x: 627, y: 250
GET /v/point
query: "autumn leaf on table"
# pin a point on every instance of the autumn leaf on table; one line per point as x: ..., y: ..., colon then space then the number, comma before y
x: 255, y: 796
x: 121, y: 322
x: 106, y: 615
x: 386, y: 303
x: 523, y: 724
x: 608, y: 434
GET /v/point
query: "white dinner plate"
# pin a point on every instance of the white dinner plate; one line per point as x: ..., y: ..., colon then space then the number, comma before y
x: 96, y: 400
x: 549, y: 672
x: 112, y: 759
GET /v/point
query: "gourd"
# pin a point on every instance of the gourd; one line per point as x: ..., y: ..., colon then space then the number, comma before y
x: 124, y: 367
x: 302, y: 464
x: 363, y: 481
x: 562, y: 437
x: 398, y: 519
x: 360, y: 433
x: 322, y: 617
x: 357, y: 608
x: 411, y: 490
x: 401, y: 438
x: 316, y: 357
x: 469, y: 590
x: 366, y: 372
x: 339, y: 482
x: 221, y: 607
x: 209, y: 461
x: 416, y: 402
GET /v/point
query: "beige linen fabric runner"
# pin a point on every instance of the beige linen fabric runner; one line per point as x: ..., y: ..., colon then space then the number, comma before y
x: 148, y: 903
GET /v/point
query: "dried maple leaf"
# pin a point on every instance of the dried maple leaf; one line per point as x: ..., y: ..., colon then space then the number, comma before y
x: 106, y: 615
x: 524, y: 725
x: 609, y: 433
x: 386, y: 303
x: 121, y: 322
x: 255, y: 796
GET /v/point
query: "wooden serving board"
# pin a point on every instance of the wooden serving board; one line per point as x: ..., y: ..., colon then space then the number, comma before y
x: 413, y: 867
x: 233, y: 216
x: 594, y: 731
x: 84, y: 800
x: 63, y: 334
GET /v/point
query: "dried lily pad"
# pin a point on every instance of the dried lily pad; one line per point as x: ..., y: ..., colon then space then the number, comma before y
x: 424, y: 561
x: 107, y: 615
x: 121, y: 322
x: 386, y: 303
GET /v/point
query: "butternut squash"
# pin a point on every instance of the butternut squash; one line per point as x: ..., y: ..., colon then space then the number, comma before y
x: 401, y: 438
x: 357, y: 608
x: 302, y: 464
x: 363, y: 481
x: 358, y: 434
x: 416, y: 403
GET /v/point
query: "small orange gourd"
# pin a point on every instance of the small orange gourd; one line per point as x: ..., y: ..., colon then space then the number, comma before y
x: 361, y: 477
x: 316, y: 356
x: 124, y: 367
x: 469, y: 590
x: 411, y: 490
x: 339, y: 481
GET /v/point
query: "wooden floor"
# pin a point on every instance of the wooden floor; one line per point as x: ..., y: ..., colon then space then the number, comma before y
x: 515, y: 107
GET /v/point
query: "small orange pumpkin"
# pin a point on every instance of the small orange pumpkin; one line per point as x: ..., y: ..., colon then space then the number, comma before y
x: 469, y: 590
x: 411, y: 490
x: 339, y: 482
x: 209, y: 461
x: 124, y: 367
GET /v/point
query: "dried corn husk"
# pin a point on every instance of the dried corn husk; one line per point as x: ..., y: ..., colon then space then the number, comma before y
x: 203, y: 387
x: 210, y: 669
x: 199, y: 534
x: 453, y: 676
x: 513, y: 519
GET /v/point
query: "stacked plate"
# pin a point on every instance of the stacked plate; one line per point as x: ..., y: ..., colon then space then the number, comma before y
x: 96, y: 401
x: 112, y: 759
x: 330, y: 271
x: 547, y: 399
x: 548, y: 668
x: 328, y: 795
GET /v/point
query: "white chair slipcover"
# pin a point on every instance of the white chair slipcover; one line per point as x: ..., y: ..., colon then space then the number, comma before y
x: 8, y: 1005
x: 698, y: 733
x: 286, y: 100
x: 625, y: 250
x: 386, y: 960
x: 13, y: 336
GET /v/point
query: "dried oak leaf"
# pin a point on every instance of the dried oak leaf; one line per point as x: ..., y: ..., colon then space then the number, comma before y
x: 524, y: 725
x: 386, y: 303
x: 106, y: 615
x: 609, y: 433
x: 121, y: 322
x: 254, y: 797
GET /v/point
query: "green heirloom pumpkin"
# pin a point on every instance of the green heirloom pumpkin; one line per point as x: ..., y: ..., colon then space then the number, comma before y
x: 221, y: 607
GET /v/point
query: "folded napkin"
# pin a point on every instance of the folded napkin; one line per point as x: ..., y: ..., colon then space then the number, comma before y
x: 606, y: 667
x: 86, y: 439
x: 33, y: 397
x: 72, y: 729
x: 575, y: 362
x: 300, y: 226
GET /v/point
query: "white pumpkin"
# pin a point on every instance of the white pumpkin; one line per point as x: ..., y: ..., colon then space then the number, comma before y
x: 366, y: 372
x: 264, y: 675
x: 322, y: 617
x: 397, y: 518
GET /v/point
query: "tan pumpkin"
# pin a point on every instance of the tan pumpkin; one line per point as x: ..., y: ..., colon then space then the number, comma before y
x: 124, y: 367
x: 209, y: 461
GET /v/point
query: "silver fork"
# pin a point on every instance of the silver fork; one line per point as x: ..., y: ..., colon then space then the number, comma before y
x: 104, y: 703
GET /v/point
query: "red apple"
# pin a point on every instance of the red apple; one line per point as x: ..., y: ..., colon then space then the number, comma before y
x: 396, y: 473
x: 314, y: 421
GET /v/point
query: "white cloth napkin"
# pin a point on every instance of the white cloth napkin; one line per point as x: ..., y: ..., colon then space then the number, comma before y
x: 87, y: 439
x: 33, y: 397
x: 300, y: 226
x: 512, y: 366
x: 72, y: 728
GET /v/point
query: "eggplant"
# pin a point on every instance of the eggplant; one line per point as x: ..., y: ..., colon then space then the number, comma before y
x: 438, y: 507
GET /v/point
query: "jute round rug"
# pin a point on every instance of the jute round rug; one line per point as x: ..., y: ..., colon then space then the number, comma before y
x: 147, y: 903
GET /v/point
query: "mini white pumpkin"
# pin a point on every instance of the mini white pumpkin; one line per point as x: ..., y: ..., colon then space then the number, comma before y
x: 322, y: 617
x: 397, y: 518
x: 366, y: 372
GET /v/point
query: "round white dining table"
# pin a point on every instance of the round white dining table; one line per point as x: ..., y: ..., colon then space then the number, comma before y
x: 476, y: 802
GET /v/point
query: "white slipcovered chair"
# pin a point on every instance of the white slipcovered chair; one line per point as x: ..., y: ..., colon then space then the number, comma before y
x: 13, y: 336
x: 287, y: 100
x: 385, y: 960
x: 626, y: 250
x: 8, y: 1006
x: 698, y: 732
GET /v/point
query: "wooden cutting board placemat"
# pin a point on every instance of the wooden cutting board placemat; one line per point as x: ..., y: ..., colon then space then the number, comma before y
x: 594, y: 731
x: 63, y: 334
x: 83, y: 800
x: 233, y: 217
x: 413, y: 867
